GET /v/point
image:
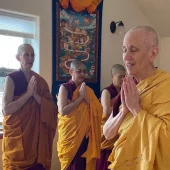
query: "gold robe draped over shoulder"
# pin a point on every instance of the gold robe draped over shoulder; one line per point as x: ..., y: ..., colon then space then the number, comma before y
x: 83, y: 121
x: 144, y: 142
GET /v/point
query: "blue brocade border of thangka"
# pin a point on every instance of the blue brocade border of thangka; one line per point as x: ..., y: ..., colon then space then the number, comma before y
x: 60, y: 47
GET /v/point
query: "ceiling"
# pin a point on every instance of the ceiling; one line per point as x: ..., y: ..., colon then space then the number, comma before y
x: 158, y: 13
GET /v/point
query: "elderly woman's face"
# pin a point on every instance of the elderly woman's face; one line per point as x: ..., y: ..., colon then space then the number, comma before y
x: 136, y: 54
x: 26, y: 57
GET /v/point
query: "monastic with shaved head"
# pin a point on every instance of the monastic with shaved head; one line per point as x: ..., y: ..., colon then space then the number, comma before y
x: 79, y: 120
x: 30, y: 117
x: 140, y: 129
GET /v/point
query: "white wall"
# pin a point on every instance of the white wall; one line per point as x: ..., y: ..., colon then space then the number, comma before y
x: 165, y: 54
x: 117, y: 10
x: 41, y: 9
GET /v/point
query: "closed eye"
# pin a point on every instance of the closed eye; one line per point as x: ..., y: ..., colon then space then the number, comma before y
x: 124, y: 49
x: 131, y: 49
x: 134, y: 49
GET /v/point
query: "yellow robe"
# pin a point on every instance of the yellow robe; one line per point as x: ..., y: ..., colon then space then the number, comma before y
x: 29, y: 132
x: 106, y: 144
x: 83, y: 121
x: 144, y: 142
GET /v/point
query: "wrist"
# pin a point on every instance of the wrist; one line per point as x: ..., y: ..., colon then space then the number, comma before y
x: 87, y: 101
x: 27, y: 95
x: 80, y: 98
x: 135, y: 111
x: 123, y: 113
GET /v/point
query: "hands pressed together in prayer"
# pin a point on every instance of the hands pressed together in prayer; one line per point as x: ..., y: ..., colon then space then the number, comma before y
x: 82, y: 93
x: 32, y: 89
x: 130, y: 97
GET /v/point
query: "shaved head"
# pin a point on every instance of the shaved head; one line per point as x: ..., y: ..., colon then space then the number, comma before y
x: 140, y: 48
x: 25, y: 55
x: 151, y: 37
x: 22, y: 47
x: 77, y: 72
x: 117, y: 68
x: 118, y: 72
x: 75, y: 64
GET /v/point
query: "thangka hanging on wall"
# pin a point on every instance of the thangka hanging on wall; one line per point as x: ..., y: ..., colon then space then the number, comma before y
x: 76, y: 38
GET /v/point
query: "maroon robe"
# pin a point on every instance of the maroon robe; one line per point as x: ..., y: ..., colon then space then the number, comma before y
x: 117, y: 102
x: 37, y: 167
x: 21, y: 85
x: 71, y: 87
x: 112, y: 90
x: 103, y: 163
x: 20, y: 82
x: 78, y: 163
x: 116, y: 105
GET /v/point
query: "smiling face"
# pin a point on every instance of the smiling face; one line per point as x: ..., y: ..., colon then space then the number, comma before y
x: 117, y: 79
x: 139, y: 53
x: 26, y: 56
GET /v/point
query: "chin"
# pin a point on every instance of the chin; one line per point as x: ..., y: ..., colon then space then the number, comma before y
x: 29, y: 67
x: 81, y: 80
x: 130, y: 72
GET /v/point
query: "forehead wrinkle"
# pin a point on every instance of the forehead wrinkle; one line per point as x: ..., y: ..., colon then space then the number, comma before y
x: 25, y: 48
x: 149, y: 38
x: 78, y: 67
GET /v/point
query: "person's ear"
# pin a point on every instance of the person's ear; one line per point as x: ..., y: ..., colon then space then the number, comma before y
x: 70, y: 72
x: 18, y: 57
x: 155, y: 51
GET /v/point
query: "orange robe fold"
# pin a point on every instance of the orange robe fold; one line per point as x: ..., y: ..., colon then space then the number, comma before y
x: 80, y: 5
x: 29, y: 132
x: 83, y: 121
x: 144, y: 142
